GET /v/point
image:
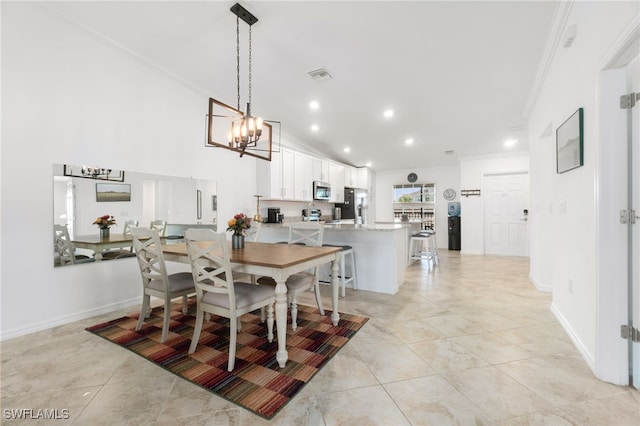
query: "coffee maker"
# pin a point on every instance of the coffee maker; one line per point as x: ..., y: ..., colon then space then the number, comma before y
x: 273, y: 215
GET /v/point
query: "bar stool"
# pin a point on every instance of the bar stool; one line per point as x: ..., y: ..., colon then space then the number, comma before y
x: 423, y: 245
x: 344, y: 279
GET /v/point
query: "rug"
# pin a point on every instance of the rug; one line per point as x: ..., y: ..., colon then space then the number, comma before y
x: 257, y: 383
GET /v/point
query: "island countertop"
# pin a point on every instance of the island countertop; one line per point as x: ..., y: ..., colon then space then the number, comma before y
x: 378, y: 226
x: 380, y: 250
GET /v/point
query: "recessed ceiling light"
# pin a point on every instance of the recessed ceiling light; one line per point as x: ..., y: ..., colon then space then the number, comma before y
x: 314, y: 105
x: 368, y: 164
x: 409, y: 141
x: 388, y: 113
x: 314, y: 128
x: 347, y: 149
x: 510, y: 142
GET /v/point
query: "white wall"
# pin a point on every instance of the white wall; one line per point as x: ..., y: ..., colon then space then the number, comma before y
x: 443, y: 177
x: 69, y: 96
x: 563, y: 205
x: 472, y: 169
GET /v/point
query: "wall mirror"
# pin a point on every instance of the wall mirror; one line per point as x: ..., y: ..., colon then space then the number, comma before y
x: 78, y: 201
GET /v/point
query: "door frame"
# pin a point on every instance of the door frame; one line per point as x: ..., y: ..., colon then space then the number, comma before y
x: 612, y: 357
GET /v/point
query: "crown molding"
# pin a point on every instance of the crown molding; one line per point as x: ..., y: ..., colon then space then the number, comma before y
x: 561, y: 17
x: 625, y: 48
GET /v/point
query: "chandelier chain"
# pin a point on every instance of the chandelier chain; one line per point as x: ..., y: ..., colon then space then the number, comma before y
x: 250, y: 64
x: 238, y: 57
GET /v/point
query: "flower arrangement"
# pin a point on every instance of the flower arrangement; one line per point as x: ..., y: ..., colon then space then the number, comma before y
x: 105, y: 222
x: 239, y: 224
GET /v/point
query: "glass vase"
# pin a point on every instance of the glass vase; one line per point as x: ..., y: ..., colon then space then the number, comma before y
x: 237, y: 241
x: 104, y: 232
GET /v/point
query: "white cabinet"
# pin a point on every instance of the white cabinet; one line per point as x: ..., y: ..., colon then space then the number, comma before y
x: 336, y: 179
x: 303, y: 177
x: 269, y: 177
x: 288, y: 192
x: 365, y: 179
x: 351, y: 177
x: 320, y: 170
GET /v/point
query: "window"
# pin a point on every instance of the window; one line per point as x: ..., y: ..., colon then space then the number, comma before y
x: 414, y: 193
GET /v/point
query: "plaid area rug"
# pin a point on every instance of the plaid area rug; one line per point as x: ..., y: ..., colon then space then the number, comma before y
x: 257, y: 383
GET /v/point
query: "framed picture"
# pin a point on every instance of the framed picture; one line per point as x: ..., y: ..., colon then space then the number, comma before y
x: 108, y: 192
x: 569, y: 143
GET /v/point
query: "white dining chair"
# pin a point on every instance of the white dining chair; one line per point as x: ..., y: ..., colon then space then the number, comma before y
x: 122, y: 253
x: 64, y: 250
x: 217, y: 292
x: 160, y: 226
x: 305, y: 233
x: 156, y: 281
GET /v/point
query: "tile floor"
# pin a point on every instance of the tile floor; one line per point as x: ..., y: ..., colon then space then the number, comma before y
x: 471, y: 343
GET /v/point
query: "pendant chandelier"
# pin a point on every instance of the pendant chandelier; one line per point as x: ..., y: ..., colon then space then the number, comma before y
x: 244, y: 133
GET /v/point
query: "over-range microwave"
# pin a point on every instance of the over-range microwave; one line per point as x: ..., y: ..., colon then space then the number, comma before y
x: 321, y: 191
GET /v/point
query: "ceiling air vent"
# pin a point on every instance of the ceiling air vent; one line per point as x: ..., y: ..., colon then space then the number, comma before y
x: 449, y: 152
x: 320, y: 74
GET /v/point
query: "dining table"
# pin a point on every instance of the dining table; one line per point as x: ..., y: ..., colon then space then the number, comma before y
x: 98, y: 244
x: 278, y: 261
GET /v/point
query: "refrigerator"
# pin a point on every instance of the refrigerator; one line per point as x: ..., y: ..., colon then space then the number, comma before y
x: 454, y: 226
x: 355, y: 205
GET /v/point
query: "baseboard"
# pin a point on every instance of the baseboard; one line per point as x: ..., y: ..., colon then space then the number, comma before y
x: 66, y: 319
x: 588, y: 357
x: 539, y: 286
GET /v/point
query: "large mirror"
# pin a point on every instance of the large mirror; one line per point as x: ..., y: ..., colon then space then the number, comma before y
x: 81, y: 196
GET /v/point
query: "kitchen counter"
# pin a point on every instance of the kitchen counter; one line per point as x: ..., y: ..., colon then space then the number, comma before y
x: 378, y: 226
x: 380, y: 250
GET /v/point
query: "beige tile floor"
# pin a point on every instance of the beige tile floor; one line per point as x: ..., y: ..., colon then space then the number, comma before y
x: 470, y: 343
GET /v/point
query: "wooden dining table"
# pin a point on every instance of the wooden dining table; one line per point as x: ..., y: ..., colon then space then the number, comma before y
x: 278, y: 261
x: 98, y: 244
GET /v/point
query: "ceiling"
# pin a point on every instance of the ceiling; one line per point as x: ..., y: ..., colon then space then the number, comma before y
x: 457, y: 74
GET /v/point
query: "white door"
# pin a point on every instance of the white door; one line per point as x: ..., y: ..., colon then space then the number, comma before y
x: 506, y: 213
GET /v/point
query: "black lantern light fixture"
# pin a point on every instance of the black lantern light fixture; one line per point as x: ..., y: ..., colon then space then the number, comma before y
x: 96, y: 173
x: 242, y: 132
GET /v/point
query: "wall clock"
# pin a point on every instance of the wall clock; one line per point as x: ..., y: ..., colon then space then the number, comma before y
x: 412, y: 177
x: 449, y: 194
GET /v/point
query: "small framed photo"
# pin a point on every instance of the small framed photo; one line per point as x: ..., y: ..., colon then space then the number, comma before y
x: 106, y: 192
x: 570, y: 143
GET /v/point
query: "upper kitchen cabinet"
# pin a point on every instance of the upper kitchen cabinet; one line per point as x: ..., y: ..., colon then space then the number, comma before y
x: 303, y: 177
x: 320, y: 170
x: 269, y: 177
x: 288, y: 178
x: 336, y: 179
x: 351, y: 177
x: 365, y: 179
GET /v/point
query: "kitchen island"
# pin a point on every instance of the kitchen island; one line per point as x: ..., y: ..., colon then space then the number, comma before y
x: 380, y: 251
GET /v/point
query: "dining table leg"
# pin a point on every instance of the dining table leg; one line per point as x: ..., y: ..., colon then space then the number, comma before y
x: 281, y: 322
x: 335, y: 289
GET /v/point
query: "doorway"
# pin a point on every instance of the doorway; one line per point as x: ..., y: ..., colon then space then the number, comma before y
x: 506, y: 214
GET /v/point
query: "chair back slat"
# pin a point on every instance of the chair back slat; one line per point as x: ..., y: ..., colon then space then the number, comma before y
x: 210, y: 262
x: 253, y: 233
x: 160, y: 226
x: 148, y: 248
x: 62, y: 244
x: 308, y: 233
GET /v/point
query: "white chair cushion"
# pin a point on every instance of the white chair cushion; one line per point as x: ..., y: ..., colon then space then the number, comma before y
x: 177, y: 282
x: 246, y: 295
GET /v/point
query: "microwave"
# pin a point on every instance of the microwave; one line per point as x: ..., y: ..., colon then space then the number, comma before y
x: 321, y: 191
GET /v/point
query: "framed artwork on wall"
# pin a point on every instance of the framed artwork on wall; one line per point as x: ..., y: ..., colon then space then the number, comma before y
x: 570, y: 143
x: 113, y: 192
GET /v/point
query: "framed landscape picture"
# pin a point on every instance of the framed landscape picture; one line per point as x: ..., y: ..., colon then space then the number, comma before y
x: 106, y: 192
x: 569, y: 143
